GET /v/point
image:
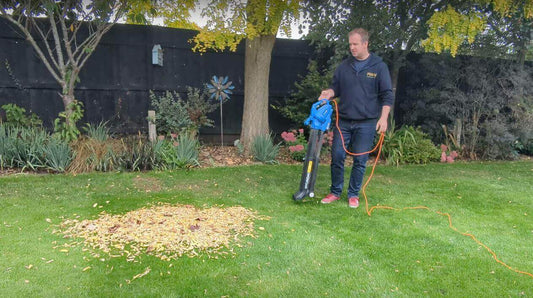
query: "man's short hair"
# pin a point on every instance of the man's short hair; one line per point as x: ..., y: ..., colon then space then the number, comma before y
x: 362, y: 32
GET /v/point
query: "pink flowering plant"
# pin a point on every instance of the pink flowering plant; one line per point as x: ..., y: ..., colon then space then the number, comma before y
x: 447, y: 155
x: 296, y: 142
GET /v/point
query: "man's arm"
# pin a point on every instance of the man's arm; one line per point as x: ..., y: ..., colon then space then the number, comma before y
x: 386, y: 97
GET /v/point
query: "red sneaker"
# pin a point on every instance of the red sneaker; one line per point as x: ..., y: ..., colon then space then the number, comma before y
x: 353, y: 202
x: 329, y: 199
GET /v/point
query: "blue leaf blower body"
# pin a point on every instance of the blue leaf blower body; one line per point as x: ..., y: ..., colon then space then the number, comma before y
x: 319, y: 121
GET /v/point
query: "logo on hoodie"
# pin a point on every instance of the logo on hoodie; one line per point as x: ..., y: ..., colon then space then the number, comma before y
x: 371, y: 75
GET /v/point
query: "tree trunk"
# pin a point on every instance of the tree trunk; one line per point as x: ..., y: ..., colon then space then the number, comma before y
x: 395, y: 72
x: 256, y: 73
x: 68, y: 98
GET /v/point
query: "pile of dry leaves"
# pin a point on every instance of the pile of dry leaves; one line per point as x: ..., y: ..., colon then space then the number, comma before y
x: 164, y: 231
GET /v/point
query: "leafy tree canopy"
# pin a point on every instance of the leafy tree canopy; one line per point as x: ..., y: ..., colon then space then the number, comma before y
x: 231, y: 21
x: 451, y: 27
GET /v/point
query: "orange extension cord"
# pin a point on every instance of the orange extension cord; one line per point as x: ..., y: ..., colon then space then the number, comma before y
x: 378, y: 147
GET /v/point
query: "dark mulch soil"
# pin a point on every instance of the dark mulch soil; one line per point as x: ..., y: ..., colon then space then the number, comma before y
x: 4, y: 172
x: 223, y: 156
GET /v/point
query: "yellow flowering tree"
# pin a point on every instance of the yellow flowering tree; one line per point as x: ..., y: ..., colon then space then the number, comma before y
x: 257, y: 22
x: 449, y: 28
x: 175, y: 14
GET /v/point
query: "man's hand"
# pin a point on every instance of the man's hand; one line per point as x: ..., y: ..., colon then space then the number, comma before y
x: 382, y: 124
x: 381, y: 127
x: 327, y: 94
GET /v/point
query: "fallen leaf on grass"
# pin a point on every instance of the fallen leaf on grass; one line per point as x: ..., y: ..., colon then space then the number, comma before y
x: 146, y: 271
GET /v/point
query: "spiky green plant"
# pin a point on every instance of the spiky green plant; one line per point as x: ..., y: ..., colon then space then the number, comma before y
x: 264, y: 150
x: 100, y: 132
x: 179, y: 152
x: 57, y: 155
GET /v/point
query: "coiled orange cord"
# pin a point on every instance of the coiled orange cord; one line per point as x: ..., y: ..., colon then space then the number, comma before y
x: 378, y: 147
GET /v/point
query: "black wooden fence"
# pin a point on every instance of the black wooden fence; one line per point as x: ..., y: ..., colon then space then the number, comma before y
x: 115, y: 83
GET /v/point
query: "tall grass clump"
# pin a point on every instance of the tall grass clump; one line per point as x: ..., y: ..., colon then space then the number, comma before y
x: 94, y: 155
x: 99, y: 132
x: 139, y: 154
x: 264, y: 150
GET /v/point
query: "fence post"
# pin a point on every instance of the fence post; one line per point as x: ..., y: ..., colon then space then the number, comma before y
x: 152, y: 133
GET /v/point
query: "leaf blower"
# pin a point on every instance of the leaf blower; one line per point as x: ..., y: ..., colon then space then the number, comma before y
x: 319, y: 122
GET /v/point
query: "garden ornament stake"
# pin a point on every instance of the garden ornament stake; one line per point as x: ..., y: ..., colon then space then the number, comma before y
x: 220, y: 89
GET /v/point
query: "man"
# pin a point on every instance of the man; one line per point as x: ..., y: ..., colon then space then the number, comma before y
x: 363, y: 84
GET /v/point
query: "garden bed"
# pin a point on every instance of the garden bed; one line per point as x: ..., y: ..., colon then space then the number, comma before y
x: 213, y: 156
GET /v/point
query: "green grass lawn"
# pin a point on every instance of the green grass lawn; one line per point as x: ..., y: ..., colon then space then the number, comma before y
x: 304, y: 249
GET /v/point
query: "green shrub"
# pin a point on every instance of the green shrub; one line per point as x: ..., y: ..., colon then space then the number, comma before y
x: 264, y: 150
x: 198, y: 106
x: 174, y: 115
x: 408, y: 145
x: 171, y: 115
x: 178, y: 153
x: 16, y: 116
x: 487, y: 103
x: 524, y: 147
x: 296, y: 107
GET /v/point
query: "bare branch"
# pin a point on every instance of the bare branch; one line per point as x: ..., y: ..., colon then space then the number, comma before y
x: 36, y: 47
x: 91, y: 46
x: 45, y: 41
x: 57, y: 41
x: 68, y: 47
x: 91, y: 42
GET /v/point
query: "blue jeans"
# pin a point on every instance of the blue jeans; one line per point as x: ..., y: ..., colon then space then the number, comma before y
x: 358, y: 137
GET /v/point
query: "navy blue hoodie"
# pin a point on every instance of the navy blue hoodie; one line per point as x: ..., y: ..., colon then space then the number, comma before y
x: 362, y: 94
